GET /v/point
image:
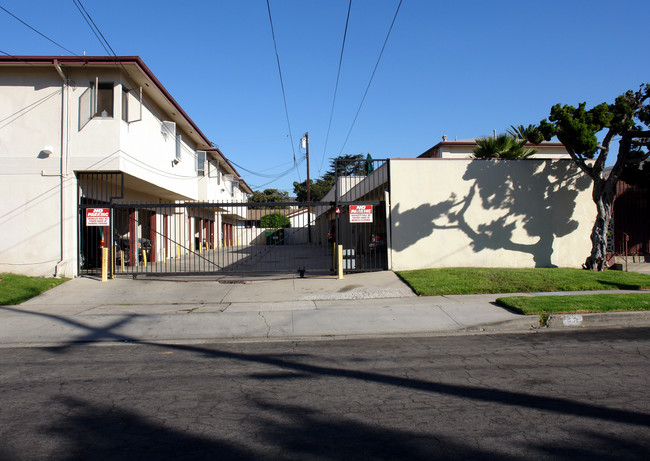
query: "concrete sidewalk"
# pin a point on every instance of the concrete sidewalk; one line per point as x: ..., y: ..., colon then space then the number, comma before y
x: 226, y: 308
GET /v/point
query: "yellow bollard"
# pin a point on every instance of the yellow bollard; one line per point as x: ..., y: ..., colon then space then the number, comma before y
x: 104, y: 264
x: 340, y: 261
x: 122, y: 260
x: 163, y: 254
x: 144, y: 258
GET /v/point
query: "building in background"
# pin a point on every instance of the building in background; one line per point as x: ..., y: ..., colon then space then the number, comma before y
x: 464, y: 148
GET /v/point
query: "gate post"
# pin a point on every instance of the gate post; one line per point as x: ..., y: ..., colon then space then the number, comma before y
x: 133, y: 238
x: 153, y: 236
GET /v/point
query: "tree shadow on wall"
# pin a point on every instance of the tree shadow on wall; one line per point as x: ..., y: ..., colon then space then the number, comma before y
x: 541, y: 203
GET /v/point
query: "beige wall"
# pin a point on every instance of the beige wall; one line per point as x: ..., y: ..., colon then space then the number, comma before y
x: 489, y: 213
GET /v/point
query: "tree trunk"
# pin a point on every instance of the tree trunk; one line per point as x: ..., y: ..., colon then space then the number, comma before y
x: 603, y: 195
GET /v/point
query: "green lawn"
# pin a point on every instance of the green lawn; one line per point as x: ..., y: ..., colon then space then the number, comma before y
x: 546, y: 305
x: 461, y: 280
x: 15, y: 289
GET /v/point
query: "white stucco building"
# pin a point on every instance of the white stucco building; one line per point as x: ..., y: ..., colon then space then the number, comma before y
x: 463, y: 148
x: 93, y: 130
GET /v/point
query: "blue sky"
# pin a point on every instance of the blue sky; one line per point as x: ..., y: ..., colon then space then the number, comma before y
x: 457, y: 68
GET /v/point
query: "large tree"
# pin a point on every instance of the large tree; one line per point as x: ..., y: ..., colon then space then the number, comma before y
x: 319, y: 189
x: 347, y: 165
x: 579, y: 129
x: 269, y: 195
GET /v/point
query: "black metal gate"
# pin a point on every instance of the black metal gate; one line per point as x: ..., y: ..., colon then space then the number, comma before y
x: 237, y: 238
x: 207, y: 238
x: 361, y: 191
x: 96, y: 191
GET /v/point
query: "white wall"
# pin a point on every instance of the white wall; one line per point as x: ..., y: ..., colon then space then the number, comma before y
x: 30, y: 182
x: 544, y: 151
x: 38, y: 206
x: 489, y: 213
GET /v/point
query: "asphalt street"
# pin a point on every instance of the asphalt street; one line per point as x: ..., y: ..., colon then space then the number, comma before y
x: 567, y: 395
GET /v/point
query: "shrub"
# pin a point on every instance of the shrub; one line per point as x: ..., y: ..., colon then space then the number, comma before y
x: 275, y: 220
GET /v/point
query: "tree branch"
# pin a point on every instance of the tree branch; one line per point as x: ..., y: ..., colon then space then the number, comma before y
x: 580, y: 161
x: 636, y: 134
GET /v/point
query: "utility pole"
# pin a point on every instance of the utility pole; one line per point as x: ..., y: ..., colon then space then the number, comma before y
x: 307, y: 157
x: 306, y: 141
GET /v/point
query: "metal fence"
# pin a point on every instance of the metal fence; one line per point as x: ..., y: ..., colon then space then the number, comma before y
x: 237, y: 238
x: 631, y: 220
x: 205, y: 238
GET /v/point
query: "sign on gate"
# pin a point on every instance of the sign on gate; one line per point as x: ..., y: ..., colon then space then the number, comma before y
x: 360, y: 213
x: 98, y: 217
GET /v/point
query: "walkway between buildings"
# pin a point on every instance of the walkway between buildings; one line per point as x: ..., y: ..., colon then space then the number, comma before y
x: 227, y: 308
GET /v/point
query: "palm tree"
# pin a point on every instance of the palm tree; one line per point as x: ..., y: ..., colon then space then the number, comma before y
x: 530, y: 133
x: 502, y: 146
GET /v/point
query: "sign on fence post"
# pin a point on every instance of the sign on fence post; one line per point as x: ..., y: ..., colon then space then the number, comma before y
x: 360, y: 213
x: 98, y: 217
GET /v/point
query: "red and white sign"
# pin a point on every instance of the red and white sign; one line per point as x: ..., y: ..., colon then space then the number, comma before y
x: 98, y: 217
x: 360, y: 213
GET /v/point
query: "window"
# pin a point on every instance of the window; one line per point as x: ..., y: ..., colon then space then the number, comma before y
x: 131, y: 104
x: 96, y: 101
x: 200, y: 161
x: 104, y: 100
x: 227, y: 180
x: 168, y: 129
x: 125, y: 104
x: 179, y: 146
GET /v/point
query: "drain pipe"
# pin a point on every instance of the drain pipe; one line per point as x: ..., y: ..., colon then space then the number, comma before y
x: 60, y: 265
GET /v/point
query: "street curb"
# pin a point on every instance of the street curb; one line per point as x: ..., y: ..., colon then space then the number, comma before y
x: 525, y: 322
x: 600, y: 320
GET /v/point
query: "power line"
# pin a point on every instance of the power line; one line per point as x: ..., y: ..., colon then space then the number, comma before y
x: 19, y: 113
x: 336, y: 87
x: 98, y: 30
x: 264, y: 175
x: 94, y: 29
x: 372, y: 76
x: 39, y: 33
x: 103, y: 41
x: 16, y: 58
x: 300, y: 162
x: 284, y: 97
x: 107, y: 46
